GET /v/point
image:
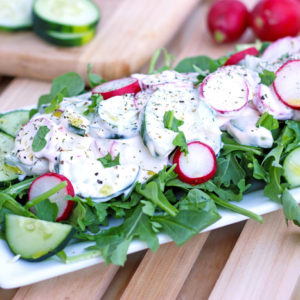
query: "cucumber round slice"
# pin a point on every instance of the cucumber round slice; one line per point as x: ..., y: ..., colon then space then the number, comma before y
x: 15, y: 14
x: 66, y: 39
x: 36, y: 240
x: 7, y: 173
x: 291, y: 167
x: 11, y: 122
x: 71, y: 16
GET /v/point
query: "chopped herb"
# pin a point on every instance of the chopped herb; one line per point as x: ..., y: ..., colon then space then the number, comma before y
x: 180, y: 141
x: 168, y: 58
x: 54, y: 105
x: 96, y: 99
x: 267, y: 77
x: 267, y: 121
x: 93, y: 79
x: 170, y: 122
x: 39, y: 141
x: 108, y: 162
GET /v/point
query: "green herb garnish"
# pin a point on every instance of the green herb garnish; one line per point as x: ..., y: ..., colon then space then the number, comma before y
x: 180, y: 141
x: 39, y: 141
x: 108, y: 162
x: 170, y: 122
x: 267, y: 77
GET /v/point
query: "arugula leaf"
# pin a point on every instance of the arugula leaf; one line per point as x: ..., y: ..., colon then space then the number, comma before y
x: 54, y: 105
x: 267, y: 77
x: 180, y: 141
x: 46, y: 210
x: 267, y: 121
x: 204, y: 63
x: 39, y: 141
x: 291, y: 208
x: 170, y: 122
x: 168, y: 58
x: 69, y: 84
x: 152, y: 192
x: 96, y: 99
x: 93, y: 79
x: 148, y: 208
x: 108, y: 162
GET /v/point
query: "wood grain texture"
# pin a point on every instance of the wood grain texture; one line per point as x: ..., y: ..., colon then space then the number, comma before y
x: 161, y: 275
x: 265, y: 263
x: 128, y: 34
x: 89, y: 283
x: 210, y: 263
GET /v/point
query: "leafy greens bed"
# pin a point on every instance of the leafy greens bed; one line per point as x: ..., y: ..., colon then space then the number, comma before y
x: 164, y: 203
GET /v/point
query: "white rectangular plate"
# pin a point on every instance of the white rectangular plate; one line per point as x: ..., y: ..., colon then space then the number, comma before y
x: 20, y: 273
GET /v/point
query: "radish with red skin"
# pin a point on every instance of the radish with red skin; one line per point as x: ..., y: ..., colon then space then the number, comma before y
x: 226, y: 91
x: 274, y: 19
x: 198, y: 166
x: 287, y: 84
x: 118, y: 87
x: 237, y: 57
x: 227, y: 20
x: 47, y: 181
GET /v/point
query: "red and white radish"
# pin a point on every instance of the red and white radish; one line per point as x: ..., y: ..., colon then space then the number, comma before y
x: 287, y: 84
x: 284, y: 46
x: 237, y: 57
x: 47, y: 181
x: 274, y: 19
x: 118, y: 87
x: 198, y: 166
x: 225, y: 91
x: 227, y: 20
x: 266, y: 100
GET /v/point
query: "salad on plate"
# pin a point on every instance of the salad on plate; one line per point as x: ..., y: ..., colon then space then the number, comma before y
x: 158, y: 152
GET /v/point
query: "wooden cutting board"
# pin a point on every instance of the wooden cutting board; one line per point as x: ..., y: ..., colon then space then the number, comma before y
x: 128, y: 34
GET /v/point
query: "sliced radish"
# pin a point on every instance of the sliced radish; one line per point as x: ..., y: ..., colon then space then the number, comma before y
x: 198, y: 166
x: 287, y: 84
x: 47, y: 181
x: 266, y: 100
x: 118, y: 87
x: 237, y: 57
x: 225, y: 91
x: 280, y: 48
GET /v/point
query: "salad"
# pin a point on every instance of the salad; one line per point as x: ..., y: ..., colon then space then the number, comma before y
x: 159, y: 151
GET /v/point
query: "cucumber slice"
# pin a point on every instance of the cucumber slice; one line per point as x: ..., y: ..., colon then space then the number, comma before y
x: 36, y: 240
x: 11, y: 122
x: 15, y: 14
x: 66, y: 15
x: 291, y: 167
x: 66, y: 39
x: 7, y: 173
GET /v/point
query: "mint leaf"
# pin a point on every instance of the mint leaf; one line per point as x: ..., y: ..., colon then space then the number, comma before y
x: 93, y: 79
x: 180, y: 141
x: 96, y: 99
x: 69, y: 84
x: 267, y: 121
x: 46, y: 210
x: 170, y: 122
x: 39, y: 141
x: 54, y: 105
x: 267, y: 77
x: 108, y: 162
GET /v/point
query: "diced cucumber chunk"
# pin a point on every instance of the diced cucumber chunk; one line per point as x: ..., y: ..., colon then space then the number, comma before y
x: 11, y: 122
x: 291, y: 167
x: 34, y: 239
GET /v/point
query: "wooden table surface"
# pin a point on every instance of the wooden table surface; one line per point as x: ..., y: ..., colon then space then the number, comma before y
x: 246, y: 260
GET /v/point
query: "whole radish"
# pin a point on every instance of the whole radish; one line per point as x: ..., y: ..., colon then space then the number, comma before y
x: 227, y: 20
x: 274, y: 19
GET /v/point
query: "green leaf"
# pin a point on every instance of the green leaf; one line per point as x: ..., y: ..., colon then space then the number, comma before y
x: 267, y: 77
x: 180, y: 141
x: 69, y: 84
x: 203, y: 63
x: 39, y: 141
x: 93, y: 79
x: 54, y: 105
x: 168, y: 58
x: 96, y: 99
x: 148, y: 208
x: 45, y: 99
x: 108, y: 162
x: 46, y: 210
x: 170, y: 122
x: 291, y: 208
x: 267, y: 121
